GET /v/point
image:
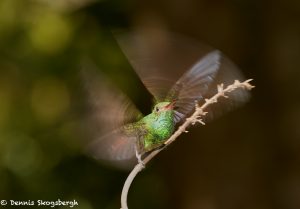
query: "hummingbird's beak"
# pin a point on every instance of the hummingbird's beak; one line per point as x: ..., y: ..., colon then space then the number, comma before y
x: 171, y: 105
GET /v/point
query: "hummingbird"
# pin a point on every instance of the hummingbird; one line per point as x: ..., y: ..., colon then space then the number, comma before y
x: 131, y: 135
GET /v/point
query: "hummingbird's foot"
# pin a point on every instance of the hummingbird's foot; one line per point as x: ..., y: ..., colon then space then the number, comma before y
x: 142, y: 163
x: 139, y: 158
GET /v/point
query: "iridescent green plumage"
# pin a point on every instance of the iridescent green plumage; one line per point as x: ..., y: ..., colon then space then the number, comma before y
x: 154, y: 129
x: 159, y: 128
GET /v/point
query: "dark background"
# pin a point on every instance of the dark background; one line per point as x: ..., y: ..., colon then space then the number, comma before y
x: 248, y: 159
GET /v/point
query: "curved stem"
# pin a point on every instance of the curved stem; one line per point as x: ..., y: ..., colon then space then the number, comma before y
x: 127, y: 184
x: 138, y: 168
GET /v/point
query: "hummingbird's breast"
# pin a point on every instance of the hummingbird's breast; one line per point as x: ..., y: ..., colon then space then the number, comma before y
x: 159, y: 129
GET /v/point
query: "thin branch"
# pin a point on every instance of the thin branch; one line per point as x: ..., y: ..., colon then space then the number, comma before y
x: 192, y: 120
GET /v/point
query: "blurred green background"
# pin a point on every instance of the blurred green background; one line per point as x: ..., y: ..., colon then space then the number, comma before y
x: 248, y: 159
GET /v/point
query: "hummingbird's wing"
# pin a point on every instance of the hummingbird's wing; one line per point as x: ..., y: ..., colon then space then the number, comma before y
x: 192, y: 86
x: 159, y: 57
x: 107, y: 111
x: 117, y: 148
x: 107, y: 107
x: 228, y: 72
x: 201, y: 82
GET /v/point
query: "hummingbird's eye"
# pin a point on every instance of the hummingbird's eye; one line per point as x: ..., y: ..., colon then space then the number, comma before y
x: 156, y: 109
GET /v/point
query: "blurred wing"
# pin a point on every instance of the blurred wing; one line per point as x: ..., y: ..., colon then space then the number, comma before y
x: 116, y: 148
x: 227, y: 73
x: 107, y: 110
x: 107, y: 107
x: 193, y: 85
x: 201, y: 82
x: 159, y: 57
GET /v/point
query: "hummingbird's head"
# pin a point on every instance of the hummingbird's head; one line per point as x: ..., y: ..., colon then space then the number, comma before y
x: 163, y: 106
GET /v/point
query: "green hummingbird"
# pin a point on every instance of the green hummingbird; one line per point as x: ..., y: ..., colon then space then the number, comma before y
x: 127, y: 141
